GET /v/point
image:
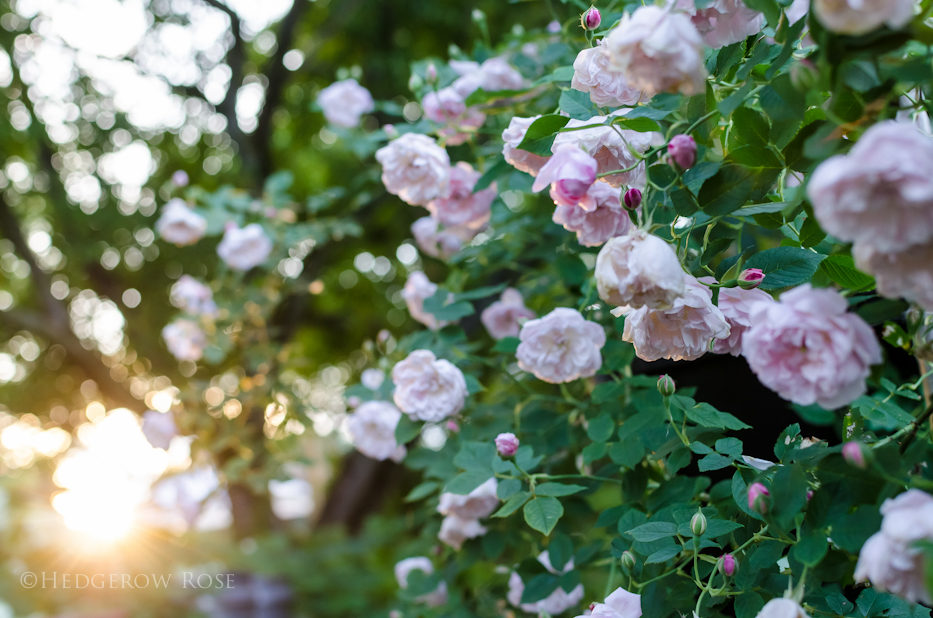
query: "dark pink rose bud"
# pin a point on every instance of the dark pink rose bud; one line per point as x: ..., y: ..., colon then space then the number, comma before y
x: 592, y: 606
x: 666, y: 385
x: 682, y: 150
x: 809, y: 494
x: 507, y: 444
x: 180, y: 178
x: 751, y: 278
x: 453, y: 426
x: 728, y: 565
x: 854, y: 454
x: 632, y: 199
x: 758, y: 496
x: 590, y: 19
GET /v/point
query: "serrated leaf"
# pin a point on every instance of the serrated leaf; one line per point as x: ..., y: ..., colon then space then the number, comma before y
x: 714, y: 461
x: 465, y: 482
x: 542, y: 514
x: 727, y: 190
x: 842, y: 270
x: 506, y: 488
x: 421, y: 491
x: 406, y: 430
x: 539, y: 587
x: 601, y: 428
x: 642, y: 125
x: 653, y: 531
x: 810, y: 233
x: 577, y: 104
x: 443, y: 308
x: 507, y: 345
x: 665, y: 554
x: 513, y: 504
x: 540, y: 135
x: 558, y: 489
x: 785, y: 266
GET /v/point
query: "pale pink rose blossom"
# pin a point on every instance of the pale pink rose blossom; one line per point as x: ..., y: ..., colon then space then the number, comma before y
x: 808, y: 349
x: 414, y: 168
x: 570, y: 172
x: 685, y: 331
x: 180, y: 225
x: 857, y: 17
x: 797, y: 10
x: 907, y: 273
x: 419, y: 288
x: 455, y: 531
x: 493, y: 75
x: 503, y: 317
x: 555, y: 603
x: 185, y: 340
x: 192, y: 296
x: 639, y: 270
x: 507, y: 444
x: 460, y: 206
x: 892, y: 559
x: 372, y: 378
x: 607, y: 88
x: 159, y: 428
x: 596, y: 227
x: 724, y: 22
x: 658, y: 50
x: 478, y: 504
x: 782, y: 608
x: 420, y: 563
x: 447, y: 108
x: 561, y: 347
x: 344, y: 102
x: 428, y: 389
x: 620, y: 604
x: 521, y: 160
x: 736, y: 305
x: 440, y: 241
x: 244, y: 248
x: 611, y: 147
x: 881, y: 193
x: 372, y: 430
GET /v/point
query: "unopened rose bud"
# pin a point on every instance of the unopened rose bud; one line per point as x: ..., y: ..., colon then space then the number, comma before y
x: 632, y: 199
x: 180, y: 179
x: 592, y: 606
x: 809, y: 494
x: 383, y: 336
x: 390, y: 131
x: 507, y: 444
x: 728, y: 565
x: 453, y: 426
x: 628, y: 560
x: 698, y: 524
x: 751, y: 278
x: 430, y: 73
x: 666, y: 385
x: 758, y: 496
x: 590, y: 19
x: 682, y: 150
x: 853, y: 453
x: 353, y: 401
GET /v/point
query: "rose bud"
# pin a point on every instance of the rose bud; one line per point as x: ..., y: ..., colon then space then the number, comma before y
x: 758, y: 496
x: 750, y: 278
x: 632, y: 199
x: 453, y: 426
x: 590, y: 19
x: 728, y: 565
x: 390, y: 131
x: 628, y: 560
x: 430, y: 73
x: 853, y: 453
x: 682, y: 150
x: 507, y: 444
x: 666, y: 385
x: 698, y: 524
x: 180, y: 178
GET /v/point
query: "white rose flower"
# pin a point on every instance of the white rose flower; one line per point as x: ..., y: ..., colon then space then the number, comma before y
x: 903, y: 274
x: 428, y: 389
x: 561, y: 347
x: 607, y: 88
x: 658, y: 50
x: 620, y: 604
x: 344, y: 102
x: 502, y: 318
x: 891, y: 559
x: 414, y: 168
x: 478, y: 504
x: 447, y: 108
x: 555, y: 603
x: 724, y: 22
x: 639, y: 270
x: 185, y: 340
x: 244, y: 248
x: 521, y: 160
x: 455, y: 531
x: 782, y: 608
x: 611, y: 147
x: 372, y: 378
x: 159, y: 428
x: 419, y: 288
x: 493, y: 75
x: 862, y: 16
x: 460, y: 206
x: 180, y: 225
x: 372, y: 430
x: 440, y: 241
x: 192, y: 296
x: 423, y: 564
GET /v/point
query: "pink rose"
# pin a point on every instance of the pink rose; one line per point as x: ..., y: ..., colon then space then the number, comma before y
x: 808, y: 349
x: 861, y: 17
x: 344, y: 102
x: 493, y: 75
x: 455, y: 531
x: 570, y: 172
x: 685, y: 331
x: 907, y: 274
x: 438, y: 241
x: 682, y: 150
x: 159, y: 428
x: 180, y: 225
x: 244, y: 248
x: 423, y: 564
x: 372, y: 430
x: 782, y: 608
x: 192, y: 296
x: 185, y: 340
x: 448, y: 109
x: 477, y: 504
x: 507, y: 444
x: 502, y: 317
x: 414, y: 168
x: 428, y: 389
x: 521, y: 160
x: 595, y: 227
x: 460, y: 205
x: 555, y: 603
x: 638, y: 270
x: 561, y: 347
x: 418, y: 288
x: 607, y: 88
x: 736, y: 305
x: 724, y: 22
x: 612, y: 148
x: 620, y: 604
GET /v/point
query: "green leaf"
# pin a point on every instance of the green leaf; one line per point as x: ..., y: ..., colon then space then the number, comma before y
x: 727, y: 190
x: 714, y: 461
x: 506, y: 488
x: 653, y: 531
x: 810, y: 549
x: 785, y: 266
x: 577, y: 104
x: 540, y: 135
x: 498, y: 168
x: 421, y: 491
x: 560, y: 550
x: 513, y: 504
x: 665, y: 554
x: 442, y: 308
x: 601, y: 428
x: 542, y: 514
x: 594, y: 452
x: 507, y: 345
x: 476, y: 456
x: 525, y: 459
x: 749, y: 127
x: 465, y: 482
x: 557, y: 489
x: 560, y: 74
x: 755, y: 158
x: 698, y: 174
x: 706, y: 415
x: 810, y: 233
x: 539, y: 587
x: 642, y: 125
x: 479, y: 293
x: 480, y: 96
x: 841, y: 269
x: 406, y: 430
x: 748, y: 604
x: 729, y: 446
